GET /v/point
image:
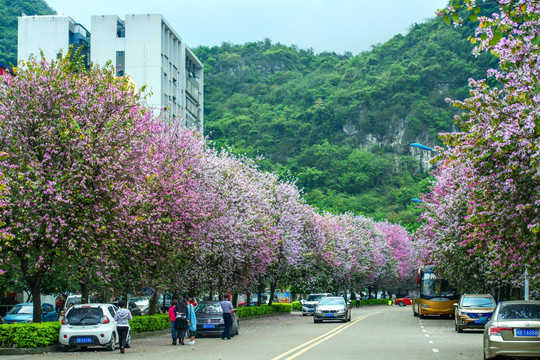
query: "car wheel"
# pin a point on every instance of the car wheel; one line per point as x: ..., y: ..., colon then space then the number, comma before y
x: 401, y: 303
x: 237, y: 328
x: 458, y: 328
x: 304, y: 314
x: 112, y: 344
x: 317, y: 321
x: 64, y: 348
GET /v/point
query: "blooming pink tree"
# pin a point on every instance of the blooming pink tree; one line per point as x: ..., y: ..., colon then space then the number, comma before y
x: 66, y: 132
x: 493, y: 162
x: 235, y: 241
x: 402, y: 253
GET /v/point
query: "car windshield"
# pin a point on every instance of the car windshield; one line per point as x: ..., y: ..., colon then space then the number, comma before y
x: 209, y: 308
x: 314, y: 297
x: 84, y: 316
x: 22, y: 309
x: 332, y: 301
x: 140, y: 300
x: 475, y: 301
x: 520, y: 311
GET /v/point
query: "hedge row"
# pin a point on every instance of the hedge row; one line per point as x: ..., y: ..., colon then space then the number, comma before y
x: 297, y: 305
x: 29, y: 335
x: 263, y: 309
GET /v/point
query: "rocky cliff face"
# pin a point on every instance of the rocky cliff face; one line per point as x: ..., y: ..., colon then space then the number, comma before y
x: 397, y: 139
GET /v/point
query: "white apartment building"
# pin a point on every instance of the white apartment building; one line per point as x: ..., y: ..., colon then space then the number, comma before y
x: 50, y: 34
x: 144, y: 47
x: 147, y: 48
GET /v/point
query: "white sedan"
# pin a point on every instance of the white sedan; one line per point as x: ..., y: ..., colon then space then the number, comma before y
x: 90, y: 325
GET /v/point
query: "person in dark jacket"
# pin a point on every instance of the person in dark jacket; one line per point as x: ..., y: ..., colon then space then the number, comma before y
x: 181, y: 322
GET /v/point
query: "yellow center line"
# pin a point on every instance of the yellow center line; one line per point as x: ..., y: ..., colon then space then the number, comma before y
x: 324, y: 337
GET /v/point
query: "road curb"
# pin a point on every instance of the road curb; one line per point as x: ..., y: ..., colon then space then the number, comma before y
x: 30, y: 351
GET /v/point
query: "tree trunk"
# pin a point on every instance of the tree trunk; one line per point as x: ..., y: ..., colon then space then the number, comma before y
x: 273, y: 285
x: 248, y: 298
x: 260, y: 293
x: 85, y: 291
x: 235, y: 299
x: 153, y: 303
x: 36, y: 298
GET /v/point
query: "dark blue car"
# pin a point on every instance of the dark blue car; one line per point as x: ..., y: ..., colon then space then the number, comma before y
x: 23, y: 313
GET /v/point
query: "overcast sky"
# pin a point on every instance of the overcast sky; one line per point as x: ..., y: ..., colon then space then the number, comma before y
x: 323, y: 25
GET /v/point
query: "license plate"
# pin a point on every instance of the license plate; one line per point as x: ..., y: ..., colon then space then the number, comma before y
x: 208, y: 326
x: 311, y: 310
x: 526, y: 332
x: 83, y: 340
x: 329, y: 315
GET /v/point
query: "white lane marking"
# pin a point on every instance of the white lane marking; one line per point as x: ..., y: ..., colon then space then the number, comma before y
x: 431, y: 342
x: 435, y: 350
x: 427, y: 335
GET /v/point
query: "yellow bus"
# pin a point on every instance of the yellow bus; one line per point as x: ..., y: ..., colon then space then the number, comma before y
x: 433, y: 296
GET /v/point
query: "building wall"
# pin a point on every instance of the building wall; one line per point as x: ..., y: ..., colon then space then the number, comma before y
x: 47, y: 33
x: 154, y: 56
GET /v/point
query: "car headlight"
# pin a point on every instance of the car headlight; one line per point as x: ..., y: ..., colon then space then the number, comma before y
x: 424, y: 306
x: 342, y: 310
x: 29, y: 320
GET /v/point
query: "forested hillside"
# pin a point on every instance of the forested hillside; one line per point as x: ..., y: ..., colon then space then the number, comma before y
x: 341, y: 123
x: 11, y: 9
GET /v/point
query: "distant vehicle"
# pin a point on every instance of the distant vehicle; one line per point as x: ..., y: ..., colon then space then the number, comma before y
x: 132, y: 307
x: 210, y: 319
x: 77, y: 299
x: 308, y: 305
x: 90, y: 325
x: 433, y: 295
x: 332, y: 308
x: 473, y: 311
x: 404, y: 301
x: 513, y: 331
x: 24, y: 313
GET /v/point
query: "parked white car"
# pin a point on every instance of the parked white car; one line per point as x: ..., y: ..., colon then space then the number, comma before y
x: 308, y: 305
x: 90, y: 325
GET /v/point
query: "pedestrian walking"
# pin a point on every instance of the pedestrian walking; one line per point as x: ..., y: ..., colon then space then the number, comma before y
x: 172, y: 316
x: 192, y: 320
x: 228, y: 312
x: 122, y: 318
x: 181, y: 323
x: 357, y: 301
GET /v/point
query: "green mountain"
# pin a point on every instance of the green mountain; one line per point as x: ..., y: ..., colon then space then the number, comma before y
x: 341, y: 123
x: 11, y: 9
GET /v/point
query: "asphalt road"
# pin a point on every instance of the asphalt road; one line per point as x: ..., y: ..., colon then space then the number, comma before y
x: 380, y: 332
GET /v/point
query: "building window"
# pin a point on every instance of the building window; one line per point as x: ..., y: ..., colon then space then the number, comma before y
x: 120, y: 29
x: 120, y: 63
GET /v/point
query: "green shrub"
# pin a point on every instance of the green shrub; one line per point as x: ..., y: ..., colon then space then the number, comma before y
x: 296, y: 306
x: 149, y: 323
x: 282, y: 307
x: 29, y: 335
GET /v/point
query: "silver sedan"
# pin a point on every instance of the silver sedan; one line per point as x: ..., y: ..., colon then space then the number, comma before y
x: 332, y: 308
x: 514, y: 330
